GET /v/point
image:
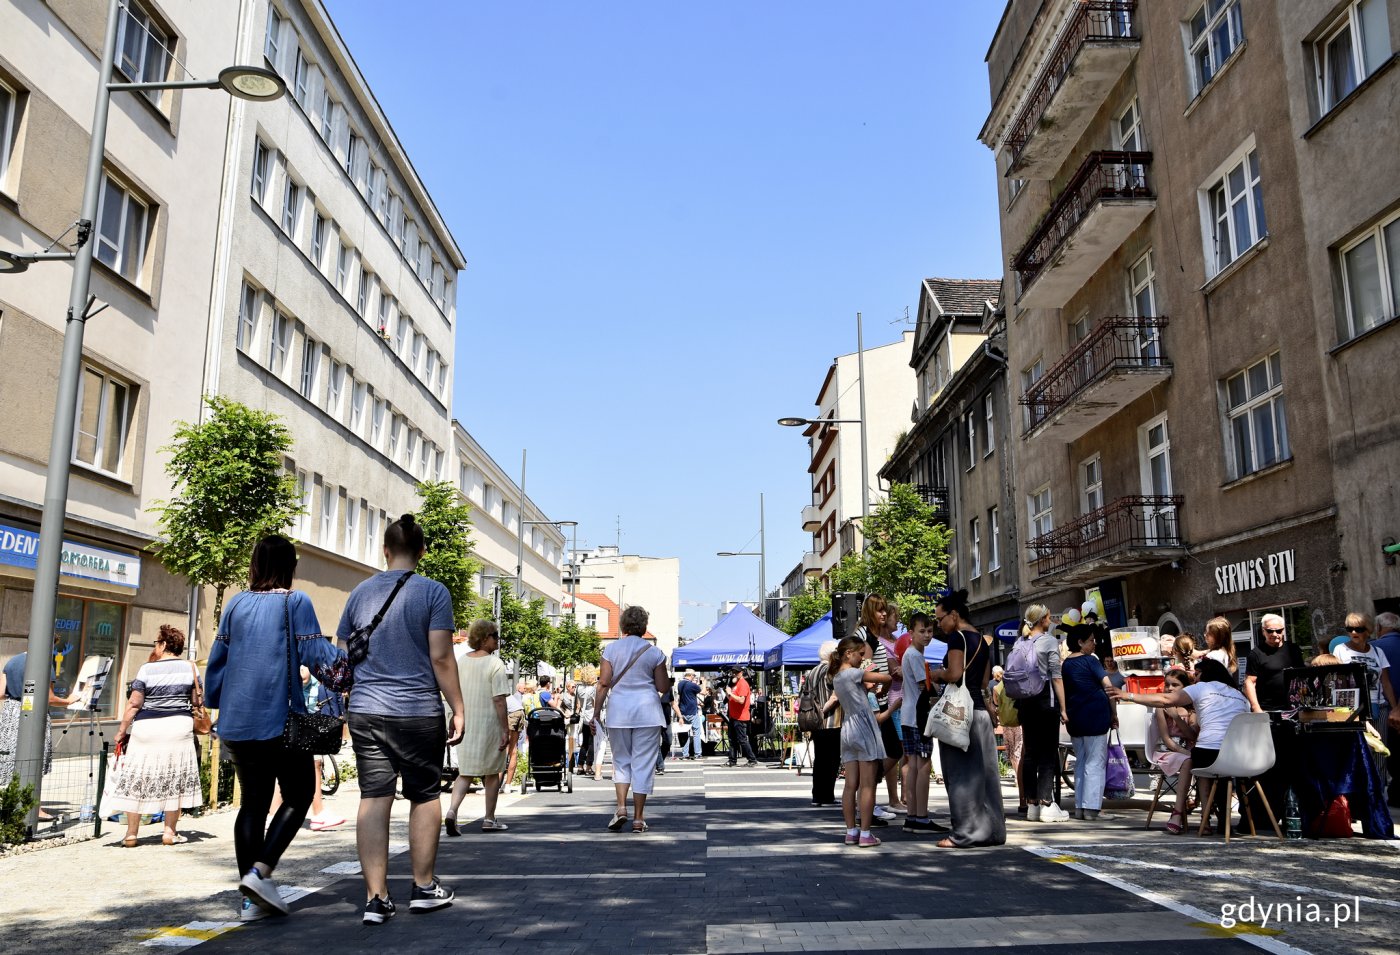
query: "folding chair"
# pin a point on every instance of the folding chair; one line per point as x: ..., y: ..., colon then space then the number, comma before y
x: 1166, y: 783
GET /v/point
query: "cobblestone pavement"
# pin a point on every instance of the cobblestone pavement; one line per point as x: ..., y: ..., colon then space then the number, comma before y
x: 737, y: 861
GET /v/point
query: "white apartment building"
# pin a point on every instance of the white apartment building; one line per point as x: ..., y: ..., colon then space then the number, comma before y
x: 627, y: 579
x: 155, y: 240
x: 497, y: 509
x: 334, y: 302
x: 835, y: 467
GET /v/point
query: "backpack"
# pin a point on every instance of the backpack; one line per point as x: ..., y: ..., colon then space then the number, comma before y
x: 1021, y: 678
x: 1007, y: 714
x: 809, y: 718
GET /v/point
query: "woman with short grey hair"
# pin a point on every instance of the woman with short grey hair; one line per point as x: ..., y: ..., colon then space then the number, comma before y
x: 631, y: 682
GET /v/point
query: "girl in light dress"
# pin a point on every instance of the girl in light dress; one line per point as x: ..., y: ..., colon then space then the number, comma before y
x: 862, y: 751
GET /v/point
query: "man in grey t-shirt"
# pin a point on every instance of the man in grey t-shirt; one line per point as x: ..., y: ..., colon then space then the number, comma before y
x: 396, y: 724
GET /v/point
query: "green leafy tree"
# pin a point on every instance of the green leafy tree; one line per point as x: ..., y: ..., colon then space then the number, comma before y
x: 906, y: 551
x: 231, y: 488
x: 450, y: 558
x: 573, y: 645
x: 525, y: 631
x: 807, y: 607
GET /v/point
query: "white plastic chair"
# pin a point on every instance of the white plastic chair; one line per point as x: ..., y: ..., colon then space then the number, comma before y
x: 1246, y: 753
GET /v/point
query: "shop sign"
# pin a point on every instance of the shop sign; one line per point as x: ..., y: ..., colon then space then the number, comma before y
x: 20, y: 548
x: 1253, y: 573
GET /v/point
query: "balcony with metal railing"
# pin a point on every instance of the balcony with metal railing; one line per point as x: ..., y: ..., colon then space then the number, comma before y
x: 1124, y: 536
x: 937, y: 498
x: 1107, y: 198
x: 1118, y: 362
x: 1090, y: 55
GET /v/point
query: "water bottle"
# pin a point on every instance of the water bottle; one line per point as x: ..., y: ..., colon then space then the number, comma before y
x: 1292, y: 819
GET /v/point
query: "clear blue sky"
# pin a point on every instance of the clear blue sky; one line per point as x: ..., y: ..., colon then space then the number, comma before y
x: 671, y: 214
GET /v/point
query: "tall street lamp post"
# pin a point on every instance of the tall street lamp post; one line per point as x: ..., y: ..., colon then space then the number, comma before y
x: 762, y: 555
x: 247, y: 82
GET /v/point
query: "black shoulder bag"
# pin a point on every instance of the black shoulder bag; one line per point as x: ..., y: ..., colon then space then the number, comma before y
x: 318, y: 734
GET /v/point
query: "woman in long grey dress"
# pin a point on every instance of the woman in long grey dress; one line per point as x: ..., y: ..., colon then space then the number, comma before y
x: 972, y: 777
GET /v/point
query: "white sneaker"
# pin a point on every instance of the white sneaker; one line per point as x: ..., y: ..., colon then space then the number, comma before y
x: 264, y: 892
x: 1033, y: 812
x: 249, y: 912
x: 882, y: 813
x: 1053, y: 813
x: 898, y: 812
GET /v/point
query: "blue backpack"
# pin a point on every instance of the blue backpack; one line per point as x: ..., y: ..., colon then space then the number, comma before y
x: 1021, y: 677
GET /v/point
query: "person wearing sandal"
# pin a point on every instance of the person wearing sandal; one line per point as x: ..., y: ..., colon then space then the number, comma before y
x: 483, y: 749
x: 1176, y: 734
x: 631, y: 682
x: 159, y: 767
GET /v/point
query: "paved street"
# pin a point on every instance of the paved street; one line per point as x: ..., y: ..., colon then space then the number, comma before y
x: 737, y: 861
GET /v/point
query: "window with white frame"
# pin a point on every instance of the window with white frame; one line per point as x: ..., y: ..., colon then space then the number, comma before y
x: 1215, y: 31
x: 327, y: 117
x: 974, y: 549
x: 279, y: 342
x: 410, y: 446
x: 970, y: 426
x: 988, y: 425
x: 404, y: 329
x: 303, y: 521
x: 272, y: 46
x: 372, y: 186
x: 1127, y: 129
x: 425, y: 258
x: 1091, y: 485
x: 301, y: 79
x: 358, y: 393
x: 122, y: 223
x: 1039, y: 508
x: 352, y: 523
x: 442, y: 378
x: 425, y: 457
x: 291, y: 207
x: 371, y: 535
x: 249, y: 304
x: 430, y: 376
x: 335, y: 387
x: 1029, y: 376
x: 353, y: 147
x: 395, y: 426
x: 437, y: 464
x: 318, y: 239
x: 439, y: 286
x: 415, y: 352
x: 342, y: 265
x: 410, y: 244
x: 9, y: 109
x: 329, y: 499
x: 1371, y: 278
x: 993, y: 540
x: 143, y: 48
x: 1350, y: 49
x: 104, y: 418
x: 362, y: 295
x: 376, y: 425
x: 262, y: 170
x: 1079, y: 329
x: 1232, y: 207
x: 310, y: 363
x: 1258, y: 430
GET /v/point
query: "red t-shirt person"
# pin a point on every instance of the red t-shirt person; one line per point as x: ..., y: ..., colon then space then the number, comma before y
x: 739, y: 697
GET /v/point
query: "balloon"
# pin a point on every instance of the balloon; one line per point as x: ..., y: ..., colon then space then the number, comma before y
x: 1071, y: 617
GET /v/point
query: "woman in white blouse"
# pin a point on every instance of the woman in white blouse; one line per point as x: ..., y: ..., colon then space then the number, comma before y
x: 631, y: 681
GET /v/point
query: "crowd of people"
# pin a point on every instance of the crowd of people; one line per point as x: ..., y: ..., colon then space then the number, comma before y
x: 871, y: 682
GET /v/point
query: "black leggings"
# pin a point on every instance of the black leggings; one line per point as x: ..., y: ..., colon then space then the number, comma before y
x: 261, y: 763
x: 1040, y: 759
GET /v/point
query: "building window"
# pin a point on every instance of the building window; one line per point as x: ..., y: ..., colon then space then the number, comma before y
x: 143, y: 49
x: 310, y: 362
x: 87, y: 628
x: 430, y: 376
x: 989, y: 425
x: 358, y: 394
x: 1350, y: 50
x: 971, y: 440
x: 318, y: 239
x: 442, y: 378
x: 262, y: 167
x: 403, y: 330
x: 352, y: 523
x: 372, y: 186
x: 273, y: 44
x: 993, y: 540
x: 122, y: 221
x: 425, y: 257
x: 328, y: 502
x: 301, y: 79
x: 439, y: 286
x: 1029, y: 376
x: 384, y: 303
x: 279, y: 343
x: 327, y: 117
x: 291, y: 207
x: 8, y: 111
x: 371, y: 534
x: 353, y: 147
x: 1128, y: 129
x: 1042, y: 522
x: 425, y: 457
x: 590, y: 620
x: 1217, y: 29
x: 381, y: 206
x: 248, y: 307
x: 303, y: 525
x: 104, y: 416
x: 376, y: 427
x: 342, y: 265
x: 437, y: 464
x: 415, y: 352
x: 1258, y: 432
x: 362, y: 296
x: 1234, y: 209
x: 1371, y: 278
x: 1091, y: 485
x: 335, y: 387
x: 395, y: 426
x: 974, y: 546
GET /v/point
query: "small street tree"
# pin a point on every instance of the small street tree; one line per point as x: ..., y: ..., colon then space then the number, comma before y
x: 231, y: 487
x: 573, y: 645
x: 906, y: 551
x: 807, y: 607
x: 525, y: 631
x: 450, y: 558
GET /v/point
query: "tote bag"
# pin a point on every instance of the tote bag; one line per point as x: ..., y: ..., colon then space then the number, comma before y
x: 1118, y: 775
x: 950, y: 719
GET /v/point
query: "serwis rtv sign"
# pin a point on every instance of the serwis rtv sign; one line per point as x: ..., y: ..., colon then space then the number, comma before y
x: 1267, y: 571
x: 20, y: 548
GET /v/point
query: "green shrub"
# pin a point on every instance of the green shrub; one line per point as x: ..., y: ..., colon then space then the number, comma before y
x: 15, y: 803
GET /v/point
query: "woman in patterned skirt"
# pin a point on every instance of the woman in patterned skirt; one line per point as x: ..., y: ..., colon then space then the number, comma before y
x: 483, y: 750
x: 158, y: 770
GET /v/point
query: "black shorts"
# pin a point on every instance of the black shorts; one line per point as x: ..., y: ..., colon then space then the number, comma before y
x: 889, y: 735
x: 389, y: 747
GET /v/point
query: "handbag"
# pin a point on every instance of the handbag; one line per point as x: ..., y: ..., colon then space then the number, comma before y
x: 1118, y: 774
x: 318, y: 734
x: 1334, y: 821
x: 203, y: 722
x: 809, y: 718
x: 950, y: 719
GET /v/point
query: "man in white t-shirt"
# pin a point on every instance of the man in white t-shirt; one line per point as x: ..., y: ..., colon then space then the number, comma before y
x: 515, y: 717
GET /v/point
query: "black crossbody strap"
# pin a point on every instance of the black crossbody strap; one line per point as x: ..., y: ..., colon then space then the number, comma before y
x: 379, y: 617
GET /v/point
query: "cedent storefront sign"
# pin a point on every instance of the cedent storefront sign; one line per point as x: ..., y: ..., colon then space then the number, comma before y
x: 20, y: 548
x: 1255, y: 572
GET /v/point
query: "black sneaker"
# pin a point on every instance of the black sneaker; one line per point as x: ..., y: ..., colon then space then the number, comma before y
x: 878, y: 823
x: 752, y: 762
x: 378, y: 911
x: 435, y: 896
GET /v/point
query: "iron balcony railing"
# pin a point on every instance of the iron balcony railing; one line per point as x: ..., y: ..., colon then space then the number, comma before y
x: 1116, y: 344
x: 1107, y: 174
x: 1105, y: 21
x: 936, y: 497
x: 1127, y: 523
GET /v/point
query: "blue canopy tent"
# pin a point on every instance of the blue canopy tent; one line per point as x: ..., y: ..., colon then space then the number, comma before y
x: 802, y: 648
x: 739, y: 639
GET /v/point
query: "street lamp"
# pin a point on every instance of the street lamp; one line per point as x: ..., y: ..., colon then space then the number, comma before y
x: 520, y: 547
x: 864, y: 464
x: 248, y: 82
x: 762, y: 555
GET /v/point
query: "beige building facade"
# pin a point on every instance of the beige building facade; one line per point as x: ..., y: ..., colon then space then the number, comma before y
x: 154, y: 244
x: 1174, y: 305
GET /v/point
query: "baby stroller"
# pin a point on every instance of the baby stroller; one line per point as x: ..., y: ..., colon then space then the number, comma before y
x: 548, y: 732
